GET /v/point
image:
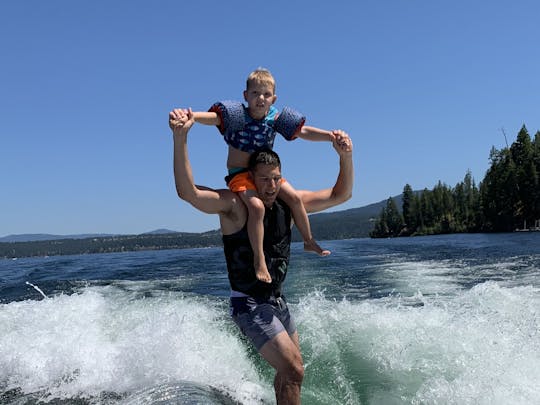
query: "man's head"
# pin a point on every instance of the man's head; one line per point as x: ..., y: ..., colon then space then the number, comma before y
x: 265, y: 169
x: 260, y: 93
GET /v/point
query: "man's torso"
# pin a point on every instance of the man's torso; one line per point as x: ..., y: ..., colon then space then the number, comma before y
x: 239, y: 255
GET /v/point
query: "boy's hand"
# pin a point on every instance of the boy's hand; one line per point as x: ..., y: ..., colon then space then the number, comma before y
x: 342, y: 142
x: 181, y: 119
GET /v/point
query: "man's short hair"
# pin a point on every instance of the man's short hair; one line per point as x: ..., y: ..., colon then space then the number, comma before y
x: 265, y: 157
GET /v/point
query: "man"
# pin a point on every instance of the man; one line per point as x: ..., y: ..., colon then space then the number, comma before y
x: 259, y: 308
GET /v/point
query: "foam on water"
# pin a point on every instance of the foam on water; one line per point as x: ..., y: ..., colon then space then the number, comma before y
x: 431, y: 277
x: 480, y: 347
x: 106, y: 339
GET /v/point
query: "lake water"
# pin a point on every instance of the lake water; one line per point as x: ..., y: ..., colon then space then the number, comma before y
x: 429, y: 320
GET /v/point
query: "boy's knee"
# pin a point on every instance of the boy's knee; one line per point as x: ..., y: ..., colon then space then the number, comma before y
x: 255, y: 207
x: 296, y: 200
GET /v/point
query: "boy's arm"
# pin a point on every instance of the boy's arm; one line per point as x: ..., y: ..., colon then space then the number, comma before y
x: 207, y: 118
x: 315, y: 201
x: 202, y: 117
x: 315, y: 134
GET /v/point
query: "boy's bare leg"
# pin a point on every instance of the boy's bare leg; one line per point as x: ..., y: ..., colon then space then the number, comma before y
x: 312, y: 246
x: 288, y: 194
x: 255, y: 229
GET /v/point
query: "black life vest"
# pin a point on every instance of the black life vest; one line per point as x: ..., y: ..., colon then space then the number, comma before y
x: 276, y: 245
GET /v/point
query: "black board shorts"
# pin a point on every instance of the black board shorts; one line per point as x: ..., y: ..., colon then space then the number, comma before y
x: 262, y: 319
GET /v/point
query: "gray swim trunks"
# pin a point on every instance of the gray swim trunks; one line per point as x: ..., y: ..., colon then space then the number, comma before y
x: 262, y: 319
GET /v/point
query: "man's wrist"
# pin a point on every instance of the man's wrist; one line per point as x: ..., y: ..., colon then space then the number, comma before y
x: 180, y: 132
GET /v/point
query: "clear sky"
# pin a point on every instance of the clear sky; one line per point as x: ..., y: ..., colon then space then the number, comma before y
x: 422, y: 86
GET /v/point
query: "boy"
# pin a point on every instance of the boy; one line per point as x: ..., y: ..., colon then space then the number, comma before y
x: 250, y: 129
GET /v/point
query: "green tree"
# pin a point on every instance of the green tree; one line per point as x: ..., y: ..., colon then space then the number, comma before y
x: 466, y: 205
x: 380, y: 230
x: 419, y: 215
x: 428, y: 213
x: 394, y: 218
x: 500, y: 192
x: 536, y: 160
x: 389, y: 223
x: 409, y: 210
x: 526, y: 177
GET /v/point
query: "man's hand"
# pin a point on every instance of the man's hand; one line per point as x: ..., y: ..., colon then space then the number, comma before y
x: 181, y: 120
x: 342, y: 142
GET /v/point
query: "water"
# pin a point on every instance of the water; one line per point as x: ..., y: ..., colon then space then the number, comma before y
x: 429, y: 320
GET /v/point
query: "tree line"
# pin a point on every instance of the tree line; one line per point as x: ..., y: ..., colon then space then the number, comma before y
x: 126, y: 243
x: 507, y: 199
x: 352, y: 223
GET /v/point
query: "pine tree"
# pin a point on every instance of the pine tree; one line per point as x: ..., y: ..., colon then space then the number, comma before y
x: 526, y: 177
x: 500, y: 192
x: 460, y: 207
x: 536, y: 160
x: 380, y: 230
x: 408, y: 209
x: 394, y: 218
x: 419, y: 215
x: 428, y: 213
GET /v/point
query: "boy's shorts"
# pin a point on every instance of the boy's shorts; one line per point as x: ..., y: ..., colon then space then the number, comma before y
x: 262, y: 319
x: 241, y: 181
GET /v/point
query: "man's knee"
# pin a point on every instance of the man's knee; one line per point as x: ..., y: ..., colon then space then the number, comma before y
x: 293, y: 372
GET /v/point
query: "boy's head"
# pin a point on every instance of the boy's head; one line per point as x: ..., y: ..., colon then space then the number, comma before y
x: 261, y: 76
x: 260, y: 93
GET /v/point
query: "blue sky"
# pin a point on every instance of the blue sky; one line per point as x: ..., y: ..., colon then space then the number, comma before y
x: 423, y: 87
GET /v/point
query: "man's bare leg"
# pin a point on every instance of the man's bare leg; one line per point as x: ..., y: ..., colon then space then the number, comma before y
x: 283, y: 354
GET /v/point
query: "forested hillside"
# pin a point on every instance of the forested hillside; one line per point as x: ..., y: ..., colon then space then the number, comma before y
x: 353, y: 223
x: 507, y: 199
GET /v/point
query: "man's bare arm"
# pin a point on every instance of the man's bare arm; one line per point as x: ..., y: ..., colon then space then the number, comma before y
x: 315, y: 201
x: 203, y: 198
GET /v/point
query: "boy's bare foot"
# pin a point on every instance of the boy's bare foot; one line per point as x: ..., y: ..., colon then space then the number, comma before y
x: 261, y: 272
x: 312, y: 246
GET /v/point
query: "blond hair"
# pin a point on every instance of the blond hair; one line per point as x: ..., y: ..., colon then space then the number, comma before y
x: 262, y: 76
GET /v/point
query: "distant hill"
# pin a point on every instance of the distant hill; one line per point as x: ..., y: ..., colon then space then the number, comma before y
x: 351, y: 223
x: 33, y: 237
x: 159, y: 232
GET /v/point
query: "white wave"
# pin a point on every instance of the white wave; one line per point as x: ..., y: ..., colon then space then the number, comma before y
x: 104, y: 339
x: 428, y: 277
x: 480, y: 347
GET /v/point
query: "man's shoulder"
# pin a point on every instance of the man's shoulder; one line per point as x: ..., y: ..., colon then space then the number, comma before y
x: 235, y: 217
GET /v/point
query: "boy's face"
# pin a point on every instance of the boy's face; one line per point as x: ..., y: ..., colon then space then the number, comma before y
x: 259, y: 97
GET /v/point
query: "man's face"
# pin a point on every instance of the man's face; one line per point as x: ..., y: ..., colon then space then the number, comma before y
x: 267, y: 179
